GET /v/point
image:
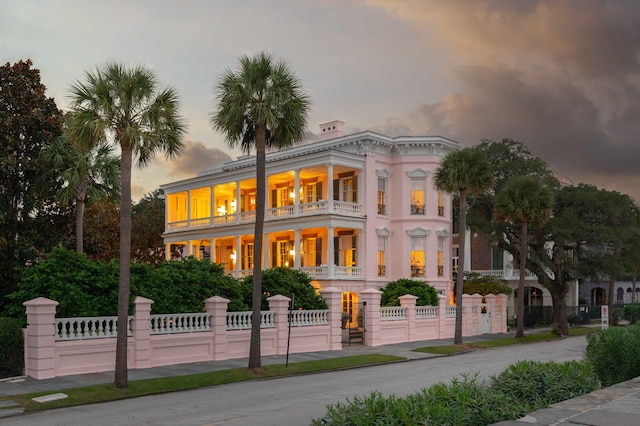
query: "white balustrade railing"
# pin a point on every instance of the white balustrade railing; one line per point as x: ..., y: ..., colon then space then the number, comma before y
x: 348, y: 271
x: 179, y: 323
x: 200, y: 222
x: 347, y: 208
x: 426, y: 312
x: 450, y: 312
x: 281, y: 211
x: 318, y: 271
x: 87, y: 328
x: 228, y: 218
x: 182, y: 224
x: 392, y: 313
x: 247, y: 216
x: 310, y: 317
x: 242, y: 320
x: 314, y: 207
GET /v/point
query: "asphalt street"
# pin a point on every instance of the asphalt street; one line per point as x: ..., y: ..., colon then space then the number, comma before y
x: 299, y: 399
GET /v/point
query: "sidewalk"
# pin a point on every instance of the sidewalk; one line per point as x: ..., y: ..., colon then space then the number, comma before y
x: 613, y: 406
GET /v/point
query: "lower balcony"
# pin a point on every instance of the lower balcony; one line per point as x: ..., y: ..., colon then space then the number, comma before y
x: 319, y: 272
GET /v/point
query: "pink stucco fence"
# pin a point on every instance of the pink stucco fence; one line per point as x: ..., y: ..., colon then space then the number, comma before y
x: 59, y: 347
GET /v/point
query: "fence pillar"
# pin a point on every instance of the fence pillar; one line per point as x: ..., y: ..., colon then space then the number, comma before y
x: 408, y: 302
x: 496, y: 306
x: 443, y: 328
x: 370, y: 299
x: 333, y: 297
x: 472, y: 304
x: 216, y: 307
x: 39, y: 342
x: 140, y: 330
x: 280, y: 305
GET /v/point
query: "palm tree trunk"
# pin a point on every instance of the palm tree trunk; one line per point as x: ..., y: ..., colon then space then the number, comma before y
x: 255, y: 361
x: 79, y: 227
x: 523, y: 263
x: 610, y: 298
x: 462, y: 237
x: 121, y: 372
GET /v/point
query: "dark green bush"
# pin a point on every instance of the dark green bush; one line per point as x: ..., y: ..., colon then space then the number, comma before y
x: 426, y: 294
x: 11, y: 348
x: 614, y: 353
x: 285, y: 281
x: 83, y: 287
x: 632, y: 312
x: 522, y: 388
x: 539, y: 384
x: 465, y: 402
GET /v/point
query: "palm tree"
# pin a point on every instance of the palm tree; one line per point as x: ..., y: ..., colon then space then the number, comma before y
x: 125, y: 106
x: 527, y: 200
x: 89, y: 173
x: 464, y: 172
x: 261, y: 104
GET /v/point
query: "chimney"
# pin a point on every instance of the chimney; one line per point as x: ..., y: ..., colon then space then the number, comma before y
x: 331, y: 129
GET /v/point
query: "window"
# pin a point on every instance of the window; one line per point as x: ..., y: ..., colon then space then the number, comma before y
x: 247, y: 256
x: 382, y: 256
x: 345, y: 250
x: 282, y: 196
x: 382, y: 196
x: 440, y: 256
x: 348, y: 190
x: 311, y: 251
x: 418, y: 244
x: 497, y: 259
x: 345, y: 188
x: 454, y: 259
x: 418, y: 196
x: 282, y: 253
x: 440, y: 203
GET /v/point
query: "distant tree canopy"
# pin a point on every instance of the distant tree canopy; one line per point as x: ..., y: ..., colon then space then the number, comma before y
x: 426, y: 294
x: 31, y: 221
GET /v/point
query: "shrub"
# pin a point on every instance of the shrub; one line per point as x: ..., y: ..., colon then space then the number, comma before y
x: 521, y: 388
x: 11, y: 348
x: 426, y: 294
x: 465, y: 402
x: 484, y: 285
x: 614, y: 353
x: 539, y: 384
x: 632, y: 312
x: 83, y: 287
x: 285, y: 281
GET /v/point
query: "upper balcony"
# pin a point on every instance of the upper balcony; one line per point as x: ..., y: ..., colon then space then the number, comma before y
x: 289, y: 195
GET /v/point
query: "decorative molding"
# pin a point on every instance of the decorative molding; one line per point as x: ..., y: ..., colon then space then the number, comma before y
x: 383, y: 232
x: 384, y: 173
x: 418, y: 232
x: 443, y: 233
x: 418, y: 173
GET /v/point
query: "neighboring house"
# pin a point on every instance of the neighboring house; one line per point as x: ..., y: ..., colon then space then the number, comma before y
x: 595, y: 293
x: 484, y: 258
x: 354, y: 212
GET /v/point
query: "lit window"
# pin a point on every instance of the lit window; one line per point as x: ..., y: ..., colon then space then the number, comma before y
x: 418, y: 196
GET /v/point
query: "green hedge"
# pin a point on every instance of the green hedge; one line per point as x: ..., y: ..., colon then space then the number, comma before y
x: 11, y: 348
x: 284, y: 281
x: 615, y: 353
x: 426, y: 294
x: 468, y: 401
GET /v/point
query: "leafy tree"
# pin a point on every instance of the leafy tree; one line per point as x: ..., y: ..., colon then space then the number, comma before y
x: 102, y: 230
x: 526, y: 200
x: 463, y: 172
x: 125, y: 106
x: 286, y: 282
x: 31, y: 222
x: 426, y: 294
x: 260, y: 105
x: 486, y: 284
x: 147, y: 244
x: 89, y: 173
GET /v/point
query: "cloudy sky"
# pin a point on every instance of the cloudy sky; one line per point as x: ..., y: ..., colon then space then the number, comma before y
x: 561, y: 76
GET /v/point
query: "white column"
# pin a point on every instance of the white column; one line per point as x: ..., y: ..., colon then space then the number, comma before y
x: 265, y: 250
x: 330, y: 248
x: 296, y: 246
x: 167, y: 251
x: 188, y: 209
x: 296, y: 198
x: 330, y: 189
x: 238, y: 259
x: 237, y: 217
x: 212, y: 255
x: 212, y: 209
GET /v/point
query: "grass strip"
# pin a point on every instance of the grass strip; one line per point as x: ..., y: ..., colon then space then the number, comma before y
x: 108, y: 392
x: 494, y: 343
